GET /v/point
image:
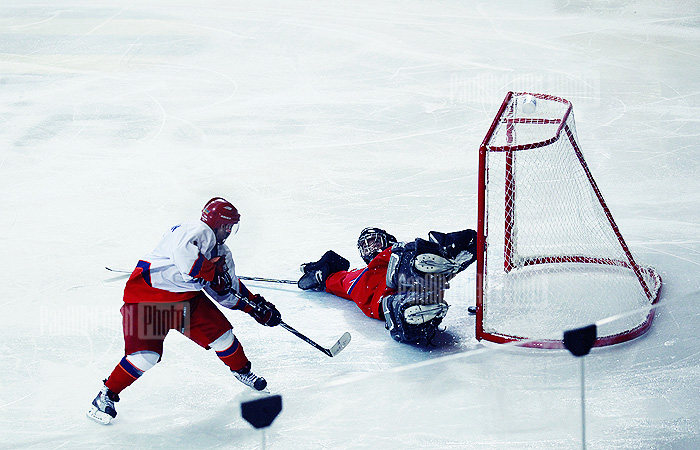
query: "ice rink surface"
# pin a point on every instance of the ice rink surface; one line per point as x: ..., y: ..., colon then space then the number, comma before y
x: 317, y: 119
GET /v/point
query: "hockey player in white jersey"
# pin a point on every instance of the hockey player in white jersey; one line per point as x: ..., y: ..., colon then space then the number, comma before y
x: 166, y: 291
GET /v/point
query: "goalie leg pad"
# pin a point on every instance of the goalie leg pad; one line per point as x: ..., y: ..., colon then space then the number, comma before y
x: 445, y: 255
x: 413, y: 316
x: 402, y: 271
x: 432, y: 263
x: 420, y: 314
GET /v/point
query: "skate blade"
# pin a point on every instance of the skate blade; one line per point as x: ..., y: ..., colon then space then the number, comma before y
x: 265, y: 390
x: 252, y: 392
x: 98, y: 416
x: 419, y: 314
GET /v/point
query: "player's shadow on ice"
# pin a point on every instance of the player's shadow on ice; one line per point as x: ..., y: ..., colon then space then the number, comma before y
x: 443, y: 341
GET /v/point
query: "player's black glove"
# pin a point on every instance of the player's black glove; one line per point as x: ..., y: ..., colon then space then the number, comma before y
x: 264, y: 312
x: 222, y: 283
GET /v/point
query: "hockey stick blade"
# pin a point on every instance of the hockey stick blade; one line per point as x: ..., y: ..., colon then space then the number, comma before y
x: 335, y: 348
x: 340, y: 345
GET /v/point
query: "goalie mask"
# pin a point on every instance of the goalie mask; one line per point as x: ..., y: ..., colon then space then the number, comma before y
x: 373, y: 241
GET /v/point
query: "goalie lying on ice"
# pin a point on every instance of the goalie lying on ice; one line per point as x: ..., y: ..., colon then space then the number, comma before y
x: 403, y: 282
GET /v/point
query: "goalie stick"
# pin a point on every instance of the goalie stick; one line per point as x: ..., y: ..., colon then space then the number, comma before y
x: 262, y: 279
x: 336, y: 348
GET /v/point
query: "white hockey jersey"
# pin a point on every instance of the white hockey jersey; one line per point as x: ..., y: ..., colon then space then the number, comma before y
x: 179, y: 266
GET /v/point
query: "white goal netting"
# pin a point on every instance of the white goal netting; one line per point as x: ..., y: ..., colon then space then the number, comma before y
x: 551, y: 256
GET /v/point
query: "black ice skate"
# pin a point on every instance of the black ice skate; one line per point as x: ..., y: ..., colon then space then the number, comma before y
x: 314, y: 279
x: 248, y: 378
x: 102, y: 409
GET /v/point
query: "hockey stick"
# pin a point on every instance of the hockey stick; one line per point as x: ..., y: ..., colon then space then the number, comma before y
x: 111, y: 269
x: 336, y: 348
x: 266, y: 280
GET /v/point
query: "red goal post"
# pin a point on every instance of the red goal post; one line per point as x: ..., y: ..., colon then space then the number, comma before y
x: 550, y: 256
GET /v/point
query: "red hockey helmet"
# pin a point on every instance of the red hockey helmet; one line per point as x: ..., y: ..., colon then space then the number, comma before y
x: 218, y: 212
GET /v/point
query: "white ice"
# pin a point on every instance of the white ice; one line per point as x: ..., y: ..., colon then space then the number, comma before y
x: 316, y: 119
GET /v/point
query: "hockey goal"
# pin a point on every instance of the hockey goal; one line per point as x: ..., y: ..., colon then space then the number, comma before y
x: 550, y: 256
